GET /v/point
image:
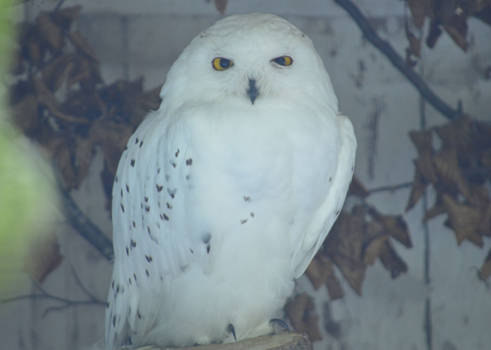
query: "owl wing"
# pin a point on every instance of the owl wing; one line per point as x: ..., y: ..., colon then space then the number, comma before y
x: 153, y: 241
x: 327, y: 213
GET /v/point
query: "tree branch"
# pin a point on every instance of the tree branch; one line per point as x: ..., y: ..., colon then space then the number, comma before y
x: 64, y: 302
x: 384, y: 47
x: 390, y: 188
x: 82, y: 224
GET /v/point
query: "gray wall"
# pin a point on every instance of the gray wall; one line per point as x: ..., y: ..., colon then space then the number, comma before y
x: 134, y: 38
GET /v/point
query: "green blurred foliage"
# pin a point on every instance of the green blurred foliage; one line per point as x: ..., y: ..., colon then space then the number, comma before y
x: 27, y: 199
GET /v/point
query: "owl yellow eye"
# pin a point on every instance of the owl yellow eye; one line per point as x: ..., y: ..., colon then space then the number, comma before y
x: 283, y: 61
x: 220, y: 63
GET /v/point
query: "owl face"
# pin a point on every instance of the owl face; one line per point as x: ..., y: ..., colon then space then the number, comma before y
x: 253, y: 60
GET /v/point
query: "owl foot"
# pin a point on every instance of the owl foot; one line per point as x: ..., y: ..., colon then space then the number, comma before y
x: 231, y: 329
x: 279, y: 326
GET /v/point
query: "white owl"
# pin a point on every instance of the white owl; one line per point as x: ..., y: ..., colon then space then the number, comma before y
x: 226, y: 192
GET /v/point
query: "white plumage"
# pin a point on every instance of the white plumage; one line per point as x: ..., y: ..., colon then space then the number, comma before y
x: 227, y: 191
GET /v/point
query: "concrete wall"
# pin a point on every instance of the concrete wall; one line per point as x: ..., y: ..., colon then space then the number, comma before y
x: 134, y: 38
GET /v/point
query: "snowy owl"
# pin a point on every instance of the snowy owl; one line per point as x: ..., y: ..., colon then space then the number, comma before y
x: 226, y: 192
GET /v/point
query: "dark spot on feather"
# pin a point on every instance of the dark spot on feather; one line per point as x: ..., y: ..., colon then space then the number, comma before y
x: 141, y: 143
x: 132, y: 244
x: 159, y: 187
x: 206, y: 238
x: 173, y: 164
x: 167, y: 177
x: 177, y: 153
x: 116, y: 179
x: 149, y: 258
x: 168, y: 205
x: 133, y: 223
x: 188, y: 177
x: 247, y: 199
x: 134, y: 276
x: 158, y: 171
x: 132, y: 162
x: 148, y: 230
x: 121, y: 192
x: 243, y: 221
x: 172, y: 192
x: 252, y: 214
x: 122, y: 208
x: 147, y: 208
x: 208, y: 248
x: 192, y: 251
x: 129, y: 281
x: 128, y: 251
x: 189, y: 161
x: 114, y: 321
x: 145, y: 199
x: 112, y: 284
x: 147, y: 273
x: 127, y: 188
x: 164, y: 216
x: 137, y: 140
x: 138, y: 315
x: 330, y: 178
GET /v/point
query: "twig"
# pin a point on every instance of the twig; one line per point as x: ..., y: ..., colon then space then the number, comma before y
x: 384, y: 47
x: 390, y: 188
x: 85, y: 227
x: 82, y: 224
x: 65, y: 302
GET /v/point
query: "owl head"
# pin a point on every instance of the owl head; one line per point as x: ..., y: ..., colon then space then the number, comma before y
x: 250, y: 60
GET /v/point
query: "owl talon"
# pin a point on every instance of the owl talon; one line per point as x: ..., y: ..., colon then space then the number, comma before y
x: 279, y: 326
x: 231, y: 329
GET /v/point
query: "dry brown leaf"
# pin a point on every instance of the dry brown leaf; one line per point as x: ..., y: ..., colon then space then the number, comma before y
x: 437, y: 209
x: 221, y: 6
x: 424, y: 165
x: 374, y: 241
x: 25, y: 113
x: 417, y: 190
x: 66, y: 15
x: 301, y: 312
x: 485, y: 270
x: 422, y: 140
x: 334, y: 288
x: 47, y: 99
x: 49, y: 32
x: 457, y: 29
x: 392, y: 261
x: 456, y: 134
x: 319, y: 270
x: 420, y: 9
x: 357, y: 188
x: 81, y: 43
x: 433, y: 33
x: 44, y: 256
x: 34, y: 52
x: 463, y: 219
x: 55, y: 73
x: 352, y: 270
x: 447, y: 167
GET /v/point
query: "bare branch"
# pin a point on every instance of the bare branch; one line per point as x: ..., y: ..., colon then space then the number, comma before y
x: 64, y: 302
x: 390, y: 188
x: 83, y: 225
x: 384, y: 47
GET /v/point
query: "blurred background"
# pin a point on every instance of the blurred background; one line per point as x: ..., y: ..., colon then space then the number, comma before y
x: 407, y: 265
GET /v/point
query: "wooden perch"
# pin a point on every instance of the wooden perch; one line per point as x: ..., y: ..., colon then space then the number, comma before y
x: 283, y: 341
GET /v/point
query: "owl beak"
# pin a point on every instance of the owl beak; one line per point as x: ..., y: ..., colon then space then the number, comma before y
x: 252, y: 91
